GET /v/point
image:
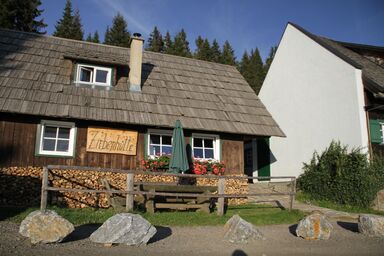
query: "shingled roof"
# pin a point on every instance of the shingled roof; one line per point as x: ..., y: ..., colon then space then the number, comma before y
x: 35, y: 79
x: 371, y: 71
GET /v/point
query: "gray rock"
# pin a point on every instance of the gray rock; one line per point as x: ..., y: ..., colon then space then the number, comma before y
x: 241, y: 231
x: 124, y: 228
x: 314, y: 227
x: 45, y: 227
x: 371, y: 225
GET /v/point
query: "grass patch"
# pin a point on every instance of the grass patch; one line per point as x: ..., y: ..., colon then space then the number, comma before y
x: 256, y: 214
x: 306, y: 198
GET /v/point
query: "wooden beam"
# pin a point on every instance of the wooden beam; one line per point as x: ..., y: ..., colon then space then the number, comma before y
x: 164, y: 193
x: 130, y: 189
x: 44, y: 191
x: 220, y: 201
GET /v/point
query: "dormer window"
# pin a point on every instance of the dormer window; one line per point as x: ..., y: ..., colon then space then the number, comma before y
x: 93, y: 75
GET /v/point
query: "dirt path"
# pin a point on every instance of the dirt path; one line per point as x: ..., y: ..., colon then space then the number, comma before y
x: 199, y: 241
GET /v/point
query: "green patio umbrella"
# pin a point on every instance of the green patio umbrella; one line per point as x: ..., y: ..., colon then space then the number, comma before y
x: 179, y: 160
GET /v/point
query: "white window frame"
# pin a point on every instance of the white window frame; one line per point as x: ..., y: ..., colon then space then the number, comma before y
x: 157, y: 132
x: 216, y: 145
x: 93, y: 75
x: 58, y: 124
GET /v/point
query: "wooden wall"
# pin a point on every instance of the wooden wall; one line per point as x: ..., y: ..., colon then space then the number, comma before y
x: 18, y: 140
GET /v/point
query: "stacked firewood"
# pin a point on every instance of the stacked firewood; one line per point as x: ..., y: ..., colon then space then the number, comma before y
x: 21, y: 186
x: 232, y: 186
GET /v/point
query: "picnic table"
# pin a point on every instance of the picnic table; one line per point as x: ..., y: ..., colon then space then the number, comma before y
x: 178, y: 202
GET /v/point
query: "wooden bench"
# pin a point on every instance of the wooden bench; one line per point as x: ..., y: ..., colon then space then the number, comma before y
x: 178, y: 202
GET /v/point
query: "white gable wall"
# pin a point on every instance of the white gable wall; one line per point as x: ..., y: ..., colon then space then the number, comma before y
x: 315, y: 97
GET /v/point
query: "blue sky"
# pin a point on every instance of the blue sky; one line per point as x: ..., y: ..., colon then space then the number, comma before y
x: 245, y: 23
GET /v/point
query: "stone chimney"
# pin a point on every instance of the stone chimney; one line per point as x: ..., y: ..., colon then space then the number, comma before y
x: 135, y: 62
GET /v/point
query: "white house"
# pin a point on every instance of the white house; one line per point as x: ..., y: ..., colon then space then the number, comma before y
x: 319, y: 90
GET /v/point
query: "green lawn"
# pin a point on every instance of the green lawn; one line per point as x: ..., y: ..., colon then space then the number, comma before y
x: 256, y: 214
x: 305, y: 198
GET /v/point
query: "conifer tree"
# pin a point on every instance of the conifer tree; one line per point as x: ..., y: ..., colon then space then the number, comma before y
x: 95, y: 38
x: 215, y: 52
x: 168, y: 44
x: 245, y: 66
x: 155, y: 41
x: 181, y: 45
x: 89, y: 38
x: 118, y: 34
x: 258, y: 70
x: 203, y: 49
x: 228, y: 54
x: 77, y: 30
x: 69, y: 26
x: 199, y: 46
x: 251, y: 67
x: 269, y: 59
x: 107, y: 35
x: 21, y: 15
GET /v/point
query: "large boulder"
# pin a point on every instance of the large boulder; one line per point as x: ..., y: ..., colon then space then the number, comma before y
x: 371, y: 225
x: 238, y: 230
x: 124, y: 228
x: 45, y: 227
x: 314, y: 227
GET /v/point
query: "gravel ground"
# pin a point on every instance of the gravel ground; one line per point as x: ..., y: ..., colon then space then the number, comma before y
x: 206, y: 240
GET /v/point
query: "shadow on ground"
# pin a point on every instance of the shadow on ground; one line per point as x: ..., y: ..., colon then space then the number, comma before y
x: 162, y: 233
x: 239, y: 252
x: 349, y: 226
x: 292, y: 229
x: 82, y: 232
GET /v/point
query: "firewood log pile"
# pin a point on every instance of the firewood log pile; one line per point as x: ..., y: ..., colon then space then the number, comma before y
x: 21, y: 186
x: 232, y: 186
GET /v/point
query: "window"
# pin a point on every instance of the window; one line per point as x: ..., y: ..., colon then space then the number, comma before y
x: 206, y: 146
x: 93, y: 75
x: 159, y: 142
x: 56, y: 138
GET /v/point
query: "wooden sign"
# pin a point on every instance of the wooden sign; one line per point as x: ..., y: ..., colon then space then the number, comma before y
x: 111, y: 141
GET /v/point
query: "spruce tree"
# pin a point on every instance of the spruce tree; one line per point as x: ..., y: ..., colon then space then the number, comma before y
x: 155, y: 41
x: 95, y: 38
x: 199, y: 46
x: 168, y: 44
x: 245, y: 67
x: 252, y: 69
x: 118, y: 34
x: 21, y: 15
x: 181, y: 45
x: 228, y: 54
x: 64, y: 25
x: 107, y: 35
x: 77, y: 30
x: 215, y: 52
x: 269, y: 59
x: 69, y: 26
x: 89, y: 38
x: 258, y: 70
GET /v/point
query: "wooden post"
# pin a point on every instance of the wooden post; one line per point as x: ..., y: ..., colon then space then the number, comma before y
x: 220, y: 200
x: 44, y: 191
x: 129, y: 199
x: 293, y: 191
